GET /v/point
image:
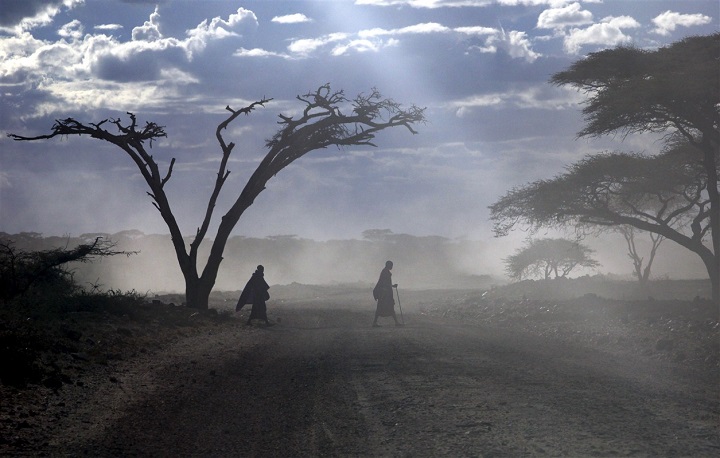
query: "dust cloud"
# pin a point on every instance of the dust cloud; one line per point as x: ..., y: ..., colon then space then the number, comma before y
x: 421, y: 262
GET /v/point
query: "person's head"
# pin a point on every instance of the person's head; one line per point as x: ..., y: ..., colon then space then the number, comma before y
x: 389, y: 265
x: 260, y: 268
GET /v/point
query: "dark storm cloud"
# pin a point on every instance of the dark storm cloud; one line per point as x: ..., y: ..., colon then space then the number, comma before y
x: 14, y: 11
x: 141, y: 66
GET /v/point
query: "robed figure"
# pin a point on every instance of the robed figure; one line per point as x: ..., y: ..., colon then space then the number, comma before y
x: 255, y: 293
x: 383, y: 294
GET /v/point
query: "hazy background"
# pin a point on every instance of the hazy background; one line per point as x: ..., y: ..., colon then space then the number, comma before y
x: 480, y: 67
x: 420, y: 262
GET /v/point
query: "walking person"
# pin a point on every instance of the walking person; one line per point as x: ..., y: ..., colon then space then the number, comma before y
x: 383, y: 294
x: 255, y: 293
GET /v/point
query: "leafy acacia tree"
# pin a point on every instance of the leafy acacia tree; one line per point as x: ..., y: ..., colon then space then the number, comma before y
x: 660, y: 194
x: 329, y: 118
x: 671, y: 89
x: 548, y: 258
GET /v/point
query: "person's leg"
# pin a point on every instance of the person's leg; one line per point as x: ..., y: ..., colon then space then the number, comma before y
x: 375, y: 321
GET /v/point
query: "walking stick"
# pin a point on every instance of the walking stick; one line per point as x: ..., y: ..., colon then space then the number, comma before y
x: 399, y: 305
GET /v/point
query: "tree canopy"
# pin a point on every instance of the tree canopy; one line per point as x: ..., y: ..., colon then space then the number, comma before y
x: 638, y: 90
x: 673, y: 90
x: 660, y: 194
x: 548, y: 258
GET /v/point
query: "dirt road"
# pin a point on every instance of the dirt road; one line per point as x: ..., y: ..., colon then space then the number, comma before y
x: 324, y: 383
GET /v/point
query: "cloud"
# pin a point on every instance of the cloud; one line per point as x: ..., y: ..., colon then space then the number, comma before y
x: 306, y: 46
x: 243, y: 21
x: 476, y: 30
x: 668, y: 21
x: 559, y: 18
x: 19, y: 15
x: 433, y: 4
x: 72, y: 30
x: 258, y: 52
x: 77, y: 69
x: 361, y: 46
x: 534, y: 97
x: 291, y: 19
x: 609, y: 32
x: 518, y: 46
x: 108, y: 27
x: 150, y: 30
x: 515, y: 43
x: 428, y: 27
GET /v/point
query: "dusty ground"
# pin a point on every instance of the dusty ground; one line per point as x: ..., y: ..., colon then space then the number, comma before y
x: 466, y: 376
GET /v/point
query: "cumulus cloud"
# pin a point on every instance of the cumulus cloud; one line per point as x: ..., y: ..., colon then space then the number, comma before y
x: 559, y: 18
x: 242, y: 21
x: 150, y: 30
x: 133, y: 71
x: 518, y: 46
x: 668, y: 21
x: 291, y: 19
x: 72, y: 30
x: 515, y: 43
x: 609, y: 32
x: 19, y: 15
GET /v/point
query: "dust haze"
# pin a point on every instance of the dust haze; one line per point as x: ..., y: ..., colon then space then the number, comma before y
x: 421, y: 262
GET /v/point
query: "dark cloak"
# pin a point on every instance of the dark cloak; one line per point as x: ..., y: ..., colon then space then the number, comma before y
x: 255, y: 293
x: 383, y: 294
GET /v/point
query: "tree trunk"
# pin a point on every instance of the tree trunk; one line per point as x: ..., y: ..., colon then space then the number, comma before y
x: 714, y: 196
x: 197, y: 293
x: 197, y: 290
x: 714, y: 274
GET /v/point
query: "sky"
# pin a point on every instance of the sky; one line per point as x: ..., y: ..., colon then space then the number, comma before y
x: 480, y: 67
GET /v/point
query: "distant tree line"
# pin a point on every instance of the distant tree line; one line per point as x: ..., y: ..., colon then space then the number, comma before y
x: 421, y: 261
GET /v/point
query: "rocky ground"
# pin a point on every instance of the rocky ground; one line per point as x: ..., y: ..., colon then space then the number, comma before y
x: 471, y: 374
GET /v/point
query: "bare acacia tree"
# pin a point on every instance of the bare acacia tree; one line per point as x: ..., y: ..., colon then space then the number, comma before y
x: 641, y: 272
x: 323, y: 123
x: 20, y: 269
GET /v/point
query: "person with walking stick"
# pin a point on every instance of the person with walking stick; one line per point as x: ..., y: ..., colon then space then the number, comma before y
x: 383, y: 294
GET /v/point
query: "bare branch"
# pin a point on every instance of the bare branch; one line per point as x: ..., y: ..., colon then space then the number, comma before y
x: 169, y: 172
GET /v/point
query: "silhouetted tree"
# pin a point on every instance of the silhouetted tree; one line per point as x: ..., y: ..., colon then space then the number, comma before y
x: 21, y: 269
x: 641, y: 267
x: 671, y: 89
x: 321, y: 124
x: 661, y: 194
x: 548, y: 258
